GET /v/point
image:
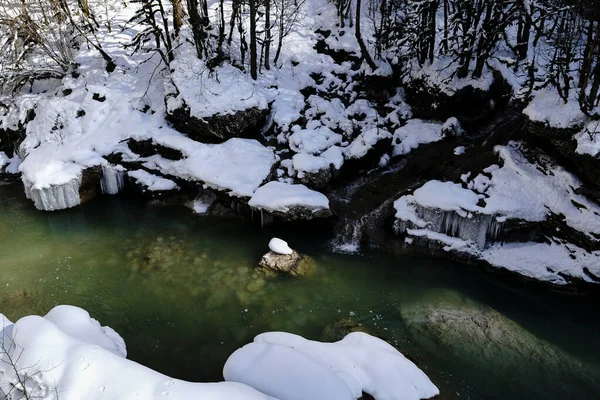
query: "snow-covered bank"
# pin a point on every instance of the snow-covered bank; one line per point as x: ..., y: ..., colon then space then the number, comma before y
x: 472, y: 216
x: 68, y: 355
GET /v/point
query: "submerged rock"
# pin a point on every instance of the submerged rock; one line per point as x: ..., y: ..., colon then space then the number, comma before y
x: 293, y: 264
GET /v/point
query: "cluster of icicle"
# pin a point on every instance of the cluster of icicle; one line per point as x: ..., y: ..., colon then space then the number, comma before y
x: 54, y: 197
x: 66, y: 195
x: 482, y: 229
x: 113, y: 179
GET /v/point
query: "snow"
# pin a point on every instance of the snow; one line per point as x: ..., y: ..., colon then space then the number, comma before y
x: 278, y: 196
x: 549, y: 108
x: 303, y: 162
x: 3, y: 159
x: 77, y: 323
x: 152, y: 182
x: 588, y: 140
x: 365, y: 142
x: 224, y: 92
x: 519, y: 189
x: 237, y: 165
x: 360, y: 362
x: 546, y: 262
x: 202, y: 203
x: 459, y: 151
x: 313, y: 140
x: 415, y: 133
x: 447, y: 196
x: 279, y: 246
x: 284, y: 373
x: 451, y: 243
x: 70, y: 354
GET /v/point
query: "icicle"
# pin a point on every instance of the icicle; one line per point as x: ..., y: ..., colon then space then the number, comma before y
x: 54, y: 197
x: 113, y: 179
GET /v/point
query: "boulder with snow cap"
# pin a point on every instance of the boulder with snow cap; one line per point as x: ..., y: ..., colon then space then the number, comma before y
x: 281, y: 258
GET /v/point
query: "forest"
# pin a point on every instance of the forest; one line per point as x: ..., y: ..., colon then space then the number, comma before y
x: 548, y: 43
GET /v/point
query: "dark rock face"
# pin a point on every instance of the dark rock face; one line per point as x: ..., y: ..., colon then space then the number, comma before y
x: 471, y: 106
x: 320, y: 179
x: 295, y: 214
x: 148, y: 148
x: 9, y: 140
x: 90, y: 181
x: 560, y: 144
x: 221, y: 127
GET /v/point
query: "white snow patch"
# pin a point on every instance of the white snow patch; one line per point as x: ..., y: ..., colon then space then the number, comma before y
x: 279, y: 246
x: 365, y: 142
x: 548, y: 107
x: 69, y: 353
x: 152, y: 182
x: 459, y: 151
x: 278, y: 196
x: 544, y: 261
x: 202, y: 203
x: 415, y: 133
x: 359, y: 362
x: 313, y: 140
x: 588, y: 140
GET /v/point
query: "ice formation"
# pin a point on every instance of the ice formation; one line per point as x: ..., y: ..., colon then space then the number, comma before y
x: 55, y: 196
x: 113, y: 179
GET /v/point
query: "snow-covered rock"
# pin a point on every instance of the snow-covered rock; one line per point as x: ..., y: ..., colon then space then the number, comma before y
x: 279, y: 246
x: 527, y: 195
x: 415, y: 133
x: 360, y: 362
x: 152, y: 182
x: 290, y: 201
x: 549, y: 108
x: 71, y: 354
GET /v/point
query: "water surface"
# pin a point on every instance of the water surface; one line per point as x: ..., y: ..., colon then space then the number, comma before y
x: 184, y: 293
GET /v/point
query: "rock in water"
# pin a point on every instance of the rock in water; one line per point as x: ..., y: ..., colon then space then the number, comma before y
x: 293, y: 264
x: 279, y: 246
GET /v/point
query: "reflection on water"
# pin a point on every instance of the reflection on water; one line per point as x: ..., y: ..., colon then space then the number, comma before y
x: 184, y: 293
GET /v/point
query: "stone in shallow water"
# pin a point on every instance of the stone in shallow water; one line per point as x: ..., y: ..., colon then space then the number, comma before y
x: 293, y: 264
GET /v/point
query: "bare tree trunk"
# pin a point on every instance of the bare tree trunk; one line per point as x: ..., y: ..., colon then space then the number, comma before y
x: 281, y: 33
x: 177, y: 15
x: 361, y: 43
x: 267, y: 43
x: 253, y: 61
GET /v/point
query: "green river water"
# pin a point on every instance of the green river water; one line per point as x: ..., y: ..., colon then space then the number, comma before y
x: 183, y: 292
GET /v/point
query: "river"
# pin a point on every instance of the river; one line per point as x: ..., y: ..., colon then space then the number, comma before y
x: 183, y: 292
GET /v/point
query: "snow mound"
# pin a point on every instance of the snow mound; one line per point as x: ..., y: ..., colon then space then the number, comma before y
x: 549, y: 108
x: 65, y: 352
x: 279, y: 246
x: 415, y: 133
x: 225, y: 92
x: 342, y: 370
x: 313, y: 140
x: 548, y: 262
x: 588, y: 140
x: 237, y: 165
x: 152, y: 182
x: 278, y: 196
x: 365, y: 142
